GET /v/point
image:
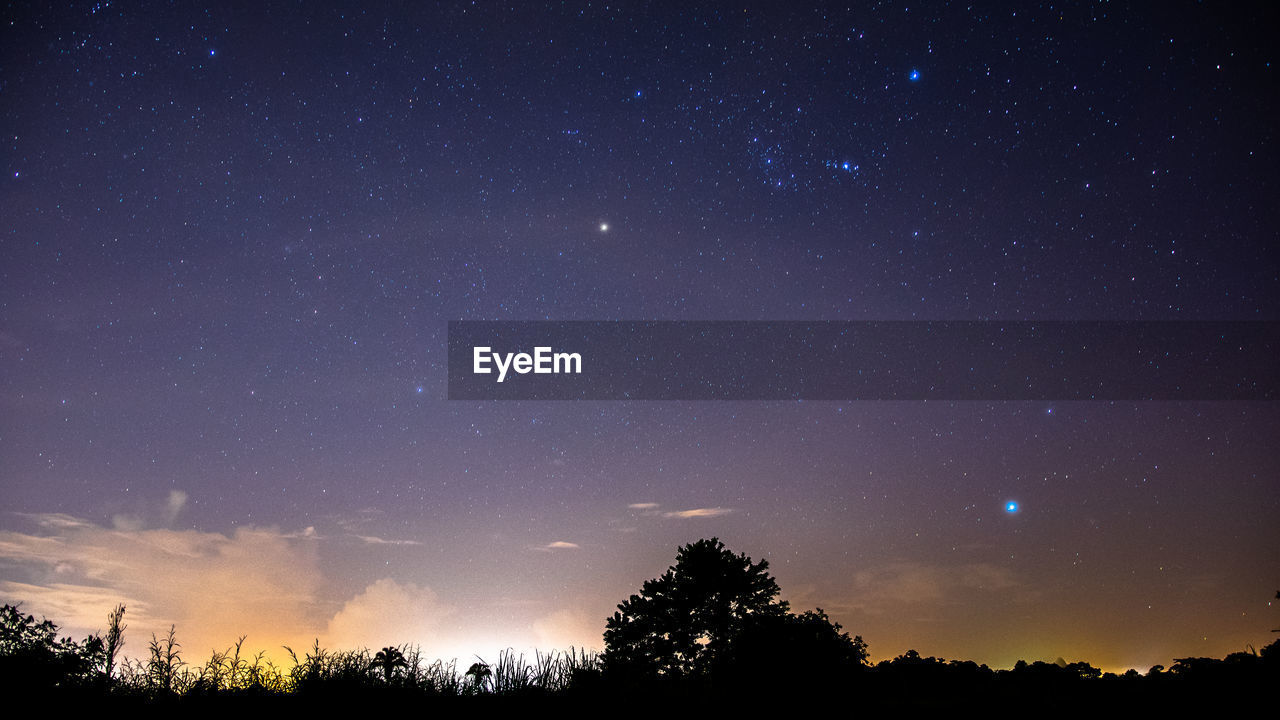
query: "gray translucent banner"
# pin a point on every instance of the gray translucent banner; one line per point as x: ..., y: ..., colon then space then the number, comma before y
x: 796, y: 360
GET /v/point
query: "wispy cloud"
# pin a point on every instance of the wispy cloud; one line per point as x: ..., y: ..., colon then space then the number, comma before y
x: 163, y: 514
x: 561, y: 545
x: 57, y: 521
x: 697, y: 513
x: 643, y: 506
x: 177, y: 501
x: 359, y: 525
x: 352, y: 522
x: 889, y: 588
x: 373, y: 540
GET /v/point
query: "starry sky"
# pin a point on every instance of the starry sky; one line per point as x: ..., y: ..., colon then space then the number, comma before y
x: 231, y: 239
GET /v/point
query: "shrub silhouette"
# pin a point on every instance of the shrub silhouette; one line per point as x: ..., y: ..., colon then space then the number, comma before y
x: 805, y: 650
x: 389, y: 660
x: 113, y: 642
x: 479, y: 675
x: 32, y: 656
x: 232, y: 672
x: 164, y: 669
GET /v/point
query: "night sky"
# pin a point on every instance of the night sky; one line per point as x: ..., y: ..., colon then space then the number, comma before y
x: 231, y: 240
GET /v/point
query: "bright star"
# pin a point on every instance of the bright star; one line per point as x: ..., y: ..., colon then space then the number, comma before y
x: 1011, y: 507
x: 604, y: 227
x: 914, y: 76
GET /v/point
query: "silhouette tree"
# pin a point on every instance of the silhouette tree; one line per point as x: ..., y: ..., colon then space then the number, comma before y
x: 32, y: 656
x: 825, y: 650
x: 686, y: 621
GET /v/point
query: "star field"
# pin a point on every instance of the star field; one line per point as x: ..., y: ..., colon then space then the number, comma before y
x: 231, y: 240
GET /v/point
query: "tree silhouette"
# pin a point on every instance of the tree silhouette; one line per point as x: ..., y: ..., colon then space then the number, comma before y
x: 685, y: 622
x: 32, y: 656
x: 821, y: 650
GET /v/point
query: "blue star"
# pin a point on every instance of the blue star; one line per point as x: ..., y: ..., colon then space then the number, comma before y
x: 1011, y: 507
x: 914, y: 76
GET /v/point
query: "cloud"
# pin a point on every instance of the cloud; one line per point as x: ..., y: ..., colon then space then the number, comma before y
x: 162, y: 514
x: 372, y: 540
x: 697, y: 513
x: 651, y: 509
x: 353, y: 522
x: 214, y: 587
x: 889, y: 588
x: 262, y: 582
x: 357, y: 525
x: 126, y: 523
x: 177, y: 501
x: 57, y: 521
x: 58, y: 601
x: 389, y: 613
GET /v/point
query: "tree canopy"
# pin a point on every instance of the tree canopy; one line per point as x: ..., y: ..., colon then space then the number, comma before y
x: 710, y: 610
x: 31, y: 655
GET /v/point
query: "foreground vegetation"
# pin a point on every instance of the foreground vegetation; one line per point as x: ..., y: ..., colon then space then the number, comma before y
x: 33, y: 659
x: 710, y: 630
